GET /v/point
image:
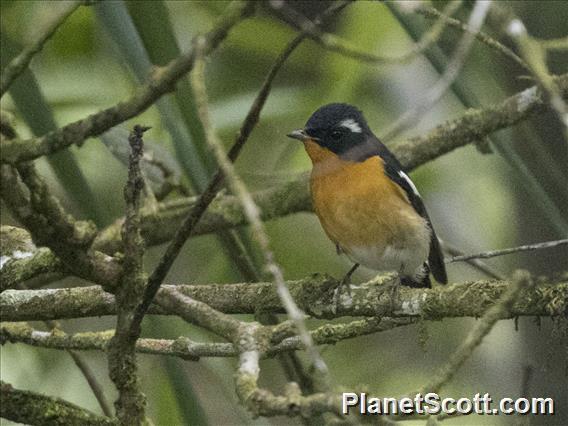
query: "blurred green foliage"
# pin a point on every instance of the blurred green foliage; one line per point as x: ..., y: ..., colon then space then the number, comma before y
x: 476, y: 201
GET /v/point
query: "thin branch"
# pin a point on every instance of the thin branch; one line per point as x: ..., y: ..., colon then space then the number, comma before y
x: 162, y: 81
x: 336, y: 44
x: 476, y: 263
x: 314, y: 295
x: 32, y: 204
x: 554, y: 44
x: 187, y: 228
x: 535, y: 56
x: 91, y: 378
x: 33, y: 408
x: 521, y: 281
x: 224, y: 212
x: 451, y: 72
x: 187, y: 349
x: 251, y: 211
x: 181, y: 347
x: 432, y: 12
x: 131, y: 402
x: 495, y: 253
x: 197, y: 312
x: 20, y: 63
x: 21, y: 260
x: 83, y: 367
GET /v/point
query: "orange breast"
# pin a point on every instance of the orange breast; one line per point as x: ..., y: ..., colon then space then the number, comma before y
x: 358, y: 205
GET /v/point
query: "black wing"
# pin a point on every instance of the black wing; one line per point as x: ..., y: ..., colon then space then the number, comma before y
x: 393, y: 169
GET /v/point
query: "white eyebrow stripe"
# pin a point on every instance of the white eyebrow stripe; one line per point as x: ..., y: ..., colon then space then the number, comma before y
x: 352, y: 125
x: 409, y: 181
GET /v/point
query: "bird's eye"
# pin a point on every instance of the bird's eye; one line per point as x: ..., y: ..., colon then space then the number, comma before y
x: 336, y: 135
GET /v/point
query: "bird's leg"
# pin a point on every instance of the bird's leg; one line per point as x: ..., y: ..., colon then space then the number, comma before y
x: 345, y: 283
x: 347, y: 278
x: 392, y: 288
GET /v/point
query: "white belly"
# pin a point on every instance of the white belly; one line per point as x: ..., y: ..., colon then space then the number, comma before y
x: 407, y: 260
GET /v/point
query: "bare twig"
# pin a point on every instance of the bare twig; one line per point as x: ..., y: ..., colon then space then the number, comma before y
x: 554, y: 44
x: 535, y: 55
x: 92, y: 381
x: 21, y: 62
x: 131, y: 402
x: 251, y: 211
x: 432, y: 12
x: 83, y: 367
x: 40, y: 263
x: 495, y: 253
x: 21, y: 260
x: 199, y: 313
x: 476, y: 263
x: 336, y: 44
x: 33, y: 205
x: 474, y: 125
x: 453, y: 69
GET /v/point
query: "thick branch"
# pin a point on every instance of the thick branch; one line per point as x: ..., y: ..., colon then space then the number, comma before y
x: 18, y: 270
x: 161, y: 82
x: 123, y: 371
x: 474, y: 125
x: 315, y: 295
x: 36, y: 409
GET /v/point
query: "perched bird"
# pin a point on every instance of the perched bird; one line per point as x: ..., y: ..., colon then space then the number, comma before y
x: 366, y: 203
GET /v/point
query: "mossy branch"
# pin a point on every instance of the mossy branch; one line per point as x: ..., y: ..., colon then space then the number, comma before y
x: 33, y: 408
x: 131, y: 402
x: 21, y: 260
x: 31, y: 202
x: 187, y: 349
x: 315, y: 295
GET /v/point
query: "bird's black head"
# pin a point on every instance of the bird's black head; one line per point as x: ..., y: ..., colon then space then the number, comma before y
x: 340, y: 128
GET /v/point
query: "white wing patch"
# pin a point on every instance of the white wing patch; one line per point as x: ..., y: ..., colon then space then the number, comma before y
x: 409, y: 181
x: 351, y: 125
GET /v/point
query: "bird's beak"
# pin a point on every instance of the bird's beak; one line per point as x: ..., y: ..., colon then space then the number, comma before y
x: 299, y: 134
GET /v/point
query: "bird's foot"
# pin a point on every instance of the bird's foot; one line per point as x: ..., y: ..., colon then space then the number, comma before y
x: 391, y: 290
x: 344, y: 284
